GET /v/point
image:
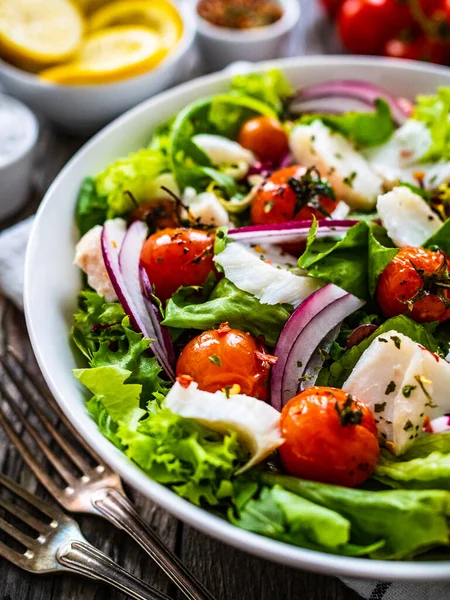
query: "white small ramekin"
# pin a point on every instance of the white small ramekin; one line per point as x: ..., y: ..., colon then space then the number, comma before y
x: 220, y: 46
x: 16, y: 162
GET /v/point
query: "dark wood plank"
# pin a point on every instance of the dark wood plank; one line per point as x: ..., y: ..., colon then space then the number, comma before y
x: 235, y: 575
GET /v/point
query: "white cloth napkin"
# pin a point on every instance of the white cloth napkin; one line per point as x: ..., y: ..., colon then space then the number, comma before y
x: 13, y: 243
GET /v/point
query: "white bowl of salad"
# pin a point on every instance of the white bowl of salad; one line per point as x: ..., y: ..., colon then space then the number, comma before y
x: 259, y: 341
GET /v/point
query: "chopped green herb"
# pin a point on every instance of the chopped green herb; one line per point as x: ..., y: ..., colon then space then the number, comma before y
x: 390, y: 388
x: 380, y: 407
x: 323, y: 354
x: 422, y: 381
x: 350, y: 178
x: 299, y: 364
x: 380, y: 339
x: 215, y: 360
x: 305, y: 378
x: 397, y: 341
x: 408, y: 425
x: 408, y: 389
x: 159, y: 259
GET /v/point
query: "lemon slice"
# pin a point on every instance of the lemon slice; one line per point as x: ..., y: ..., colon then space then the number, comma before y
x: 109, y: 55
x: 156, y: 14
x: 38, y: 33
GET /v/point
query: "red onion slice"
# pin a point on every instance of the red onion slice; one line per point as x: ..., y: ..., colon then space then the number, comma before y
x: 293, y: 231
x: 303, y: 333
x: 123, y: 270
x: 359, y: 91
x: 440, y: 424
x: 156, y: 317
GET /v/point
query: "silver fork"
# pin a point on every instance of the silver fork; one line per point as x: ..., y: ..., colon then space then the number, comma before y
x: 99, y: 490
x: 58, y: 545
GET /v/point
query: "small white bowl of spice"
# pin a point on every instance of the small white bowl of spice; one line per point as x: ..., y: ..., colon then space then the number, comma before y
x: 251, y: 30
x: 19, y: 132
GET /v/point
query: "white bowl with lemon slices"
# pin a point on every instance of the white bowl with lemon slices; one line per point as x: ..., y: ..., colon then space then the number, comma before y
x: 82, y: 70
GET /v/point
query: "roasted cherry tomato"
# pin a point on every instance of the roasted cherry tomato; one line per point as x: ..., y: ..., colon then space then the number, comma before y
x: 330, y: 437
x: 277, y: 202
x: 265, y: 137
x: 220, y: 358
x: 421, y: 48
x: 415, y: 282
x: 159, y: 213
x: 175, y: 256
x: 366, y: 25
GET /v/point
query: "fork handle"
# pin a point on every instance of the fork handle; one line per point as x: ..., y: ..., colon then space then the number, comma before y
x: 81, y: 557
x: 115, y: 507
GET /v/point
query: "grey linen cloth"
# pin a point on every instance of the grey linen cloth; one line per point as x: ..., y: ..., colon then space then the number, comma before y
x: 13, y: 243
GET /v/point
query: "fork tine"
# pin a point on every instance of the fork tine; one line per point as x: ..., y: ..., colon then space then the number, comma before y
x: 47, y: 509
x: 39, y: 526
x: 43, y: 390
x: 49, y: 454
x: 71, y: 452
x: 18, y: 535
x: 21, y: 560
x: 29, y: 458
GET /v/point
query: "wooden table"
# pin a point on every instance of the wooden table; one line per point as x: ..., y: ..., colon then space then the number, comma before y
x: 228, y: 573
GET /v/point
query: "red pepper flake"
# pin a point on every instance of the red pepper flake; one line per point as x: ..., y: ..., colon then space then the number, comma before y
x: 223, y: 328
x: 433, y: 354
x: 185, y: 380
x: 266, y: 357
x: 427, y: 425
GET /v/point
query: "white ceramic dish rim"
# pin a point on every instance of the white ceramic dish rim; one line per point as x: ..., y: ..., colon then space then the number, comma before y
x: 432, y: 571
x: 183, y: 44
x: 290, y: 17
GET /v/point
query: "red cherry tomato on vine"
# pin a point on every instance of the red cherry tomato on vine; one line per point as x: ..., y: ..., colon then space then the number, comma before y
x: 221, y: 358
x: 265, y: 137
x: 331, y: 6
x: 276, y: 201
x: 415, y: 273
x: 330, y: 437
x: 174, y: 257
x: 421, y: 48
x: 365, y: 25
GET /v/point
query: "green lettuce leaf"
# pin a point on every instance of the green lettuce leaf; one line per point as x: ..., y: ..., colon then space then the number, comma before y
x: 410, y: 522
x: 287, y: 517
x: 131, y: 354
x: 91, y: 208
x: 221, y: 115
x: 354, y: 262
x: 106, y: 424
x: 434, y: 111
x: 337, y: 372
x: 430, y: 472
x: 135, y: 174
x: 96, y: 321
x: 108, y: 385
x: 441, y: 239
x: 270, y: 87
x: 187, y: 310
x: 196, y: 462
x: 426, y: 444
x: 364, y: 129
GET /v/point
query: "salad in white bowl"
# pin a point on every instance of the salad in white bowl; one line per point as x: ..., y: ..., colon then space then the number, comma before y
x: 264, y: 319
